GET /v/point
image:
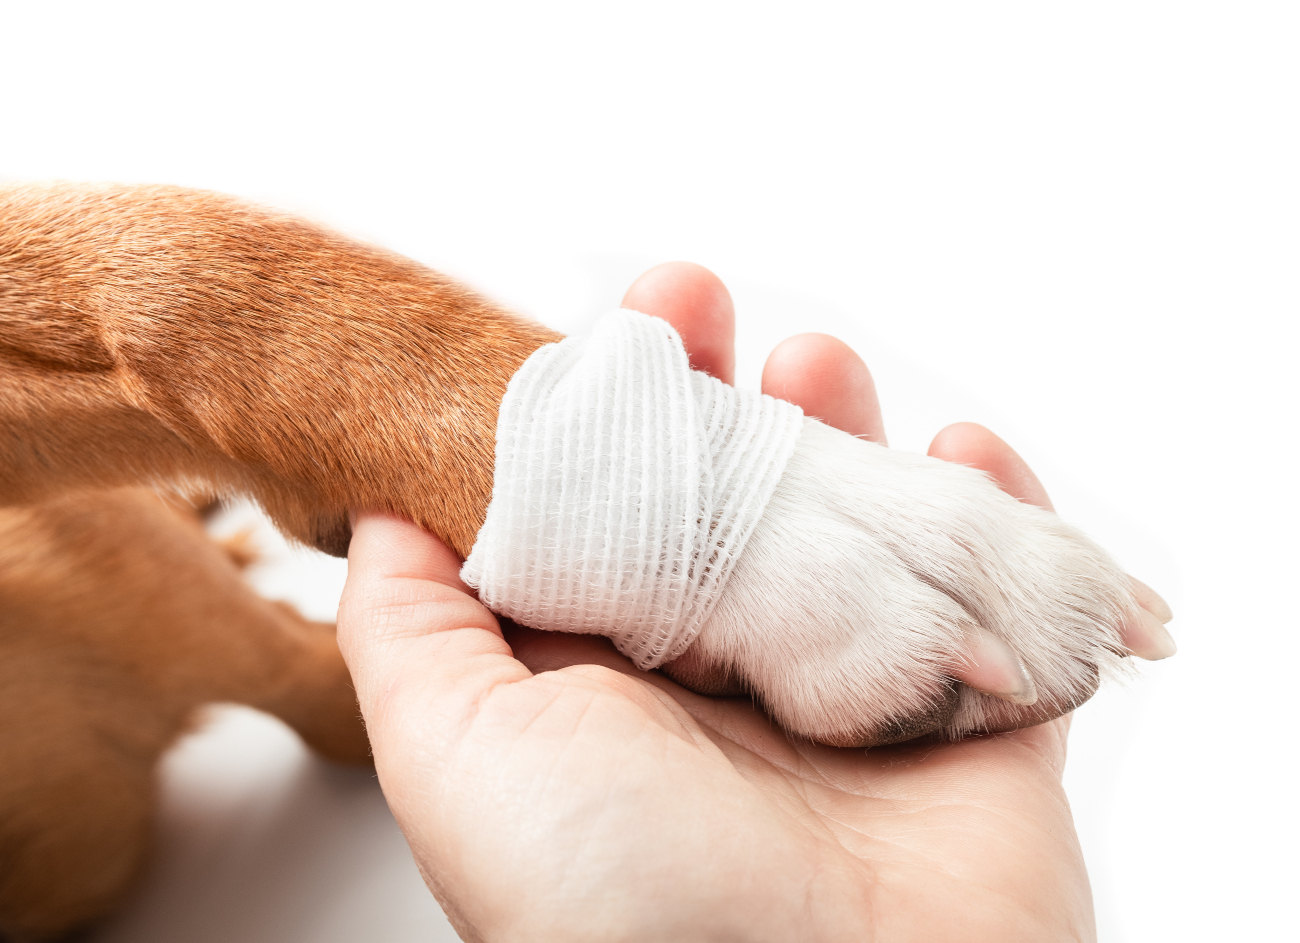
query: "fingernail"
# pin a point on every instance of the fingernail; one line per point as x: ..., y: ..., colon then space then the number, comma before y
x: 1148, y: 638
x: 1150, y: 600
x: 994, y: 668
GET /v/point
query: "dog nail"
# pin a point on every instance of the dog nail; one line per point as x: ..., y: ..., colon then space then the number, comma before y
x: 1150, y: 600
x: 1146, y: 637
x: 993, y: 667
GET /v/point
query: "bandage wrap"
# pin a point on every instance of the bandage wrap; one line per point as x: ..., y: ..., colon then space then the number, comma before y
x: 625, y: 487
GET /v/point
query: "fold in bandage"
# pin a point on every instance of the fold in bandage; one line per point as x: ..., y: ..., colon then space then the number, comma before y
x: 625, y: 487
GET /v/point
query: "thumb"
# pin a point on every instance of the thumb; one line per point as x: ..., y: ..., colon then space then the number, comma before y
x: 415, y: 641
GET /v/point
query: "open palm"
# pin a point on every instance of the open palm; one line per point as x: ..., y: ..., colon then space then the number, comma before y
x: 549, y: 790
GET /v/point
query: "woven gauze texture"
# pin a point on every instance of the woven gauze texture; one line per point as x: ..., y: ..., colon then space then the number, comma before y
x: 626, y: 485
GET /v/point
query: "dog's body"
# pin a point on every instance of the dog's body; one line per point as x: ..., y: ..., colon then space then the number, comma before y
x: 172, y: 338
x: 118, y: 618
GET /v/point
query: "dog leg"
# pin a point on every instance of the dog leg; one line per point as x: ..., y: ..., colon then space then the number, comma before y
x: 162, y: 335
x: 118, y: 618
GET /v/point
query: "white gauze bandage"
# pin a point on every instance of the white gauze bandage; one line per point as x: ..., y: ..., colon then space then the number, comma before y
x: 625, y: 487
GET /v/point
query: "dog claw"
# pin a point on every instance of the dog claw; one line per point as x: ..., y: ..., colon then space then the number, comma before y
x: 993, y: 667
x: 1147, y: 638
x: 1150, y: 600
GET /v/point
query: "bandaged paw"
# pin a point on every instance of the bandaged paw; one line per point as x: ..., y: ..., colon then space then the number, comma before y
x: 625, y: 488
x: 723, y: 536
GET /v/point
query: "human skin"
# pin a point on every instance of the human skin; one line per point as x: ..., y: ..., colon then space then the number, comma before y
x: 551, y: 791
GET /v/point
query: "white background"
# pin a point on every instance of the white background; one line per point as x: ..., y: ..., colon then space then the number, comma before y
x: 1077, y: 224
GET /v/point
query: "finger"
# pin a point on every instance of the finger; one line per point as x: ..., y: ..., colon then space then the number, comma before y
x: 967, y: 443
x: 696, y: 303
x: 824, y: 377
x: 407, y: 628
x: 393, y: 548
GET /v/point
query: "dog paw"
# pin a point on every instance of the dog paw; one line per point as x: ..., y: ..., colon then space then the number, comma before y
x: 876, y: 579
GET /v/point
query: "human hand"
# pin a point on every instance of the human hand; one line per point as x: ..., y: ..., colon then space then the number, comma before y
x: 551, y: 791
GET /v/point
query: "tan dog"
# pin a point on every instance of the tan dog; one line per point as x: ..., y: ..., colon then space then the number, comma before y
x: 187, y: 340
x: 184, y: 339
x: 118, y: 618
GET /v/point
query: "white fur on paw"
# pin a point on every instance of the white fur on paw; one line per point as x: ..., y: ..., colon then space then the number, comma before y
x: 853, y: 594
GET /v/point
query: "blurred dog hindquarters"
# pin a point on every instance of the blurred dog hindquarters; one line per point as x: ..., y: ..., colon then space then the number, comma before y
x: 119, y: 618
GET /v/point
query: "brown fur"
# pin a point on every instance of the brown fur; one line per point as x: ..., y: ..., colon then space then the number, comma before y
x: 118, y: 618
x: 184, y: 339
x: 157, y: 334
